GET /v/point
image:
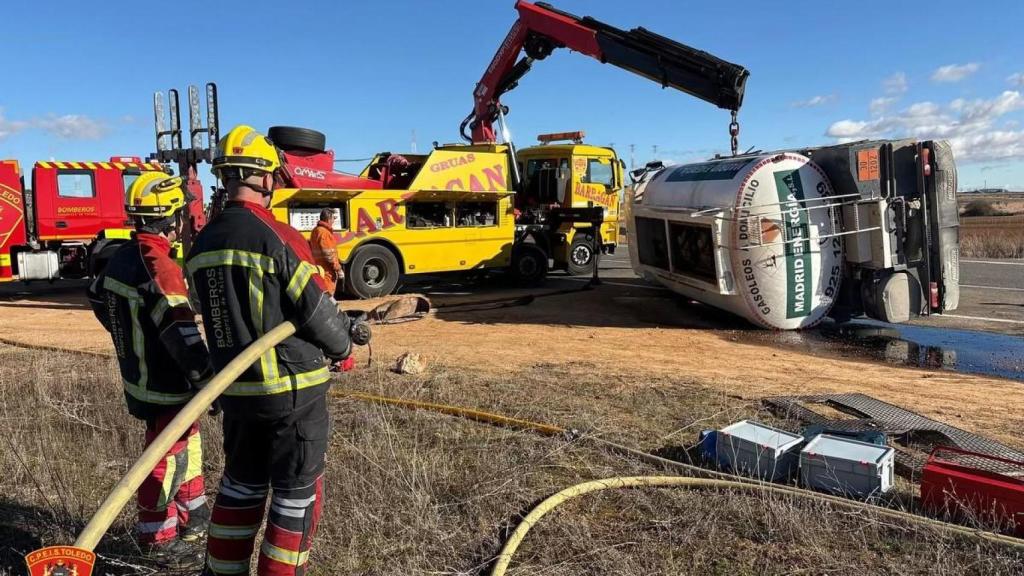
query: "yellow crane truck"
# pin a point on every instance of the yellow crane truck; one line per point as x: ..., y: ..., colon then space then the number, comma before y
x: 485, y: 204
x: 567, y: 176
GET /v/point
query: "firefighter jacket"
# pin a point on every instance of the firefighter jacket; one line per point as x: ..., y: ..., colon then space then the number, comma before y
x: 325, y: 254
x: 252, y: 273
x: 141, y: 299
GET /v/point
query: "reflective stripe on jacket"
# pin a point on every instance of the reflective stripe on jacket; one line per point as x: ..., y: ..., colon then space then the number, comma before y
x: 142, y: 301
x: 252, y: 273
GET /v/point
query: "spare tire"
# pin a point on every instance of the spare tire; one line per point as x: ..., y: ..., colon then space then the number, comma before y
x: 292, y: 138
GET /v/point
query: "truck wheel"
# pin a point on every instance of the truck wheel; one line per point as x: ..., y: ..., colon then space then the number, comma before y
x: 291, y: 138
x: 581, y: 256
x: 372, y: 271
x: 529, y: 264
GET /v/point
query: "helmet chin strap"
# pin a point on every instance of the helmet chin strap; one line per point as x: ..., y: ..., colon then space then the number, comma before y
x: 159, y: 226
x: 260, y: 189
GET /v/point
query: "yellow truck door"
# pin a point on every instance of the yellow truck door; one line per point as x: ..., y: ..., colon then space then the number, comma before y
x: 596, y: 182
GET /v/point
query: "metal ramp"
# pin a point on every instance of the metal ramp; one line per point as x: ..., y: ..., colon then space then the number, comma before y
x: 907, y: 428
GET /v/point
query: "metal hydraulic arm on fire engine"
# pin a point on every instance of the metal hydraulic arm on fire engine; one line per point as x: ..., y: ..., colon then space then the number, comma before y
x: 541, y: 28
x: 169, y: 146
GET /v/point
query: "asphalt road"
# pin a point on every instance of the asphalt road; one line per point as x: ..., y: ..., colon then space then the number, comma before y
x: 991, y: 297
x: 991, y: 292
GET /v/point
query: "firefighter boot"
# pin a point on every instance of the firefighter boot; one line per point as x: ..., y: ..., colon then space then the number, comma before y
x: 176, y: 554
x: 198, y: 522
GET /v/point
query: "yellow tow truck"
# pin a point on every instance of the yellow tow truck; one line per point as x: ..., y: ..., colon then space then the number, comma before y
x: 455, y: 209
x: 566, y: 176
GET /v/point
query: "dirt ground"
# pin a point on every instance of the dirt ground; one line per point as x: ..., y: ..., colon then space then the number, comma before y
x: 416, y: 492
x: 616, y: 332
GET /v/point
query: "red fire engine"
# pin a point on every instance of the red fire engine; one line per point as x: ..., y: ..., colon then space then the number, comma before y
x: 67, y: 223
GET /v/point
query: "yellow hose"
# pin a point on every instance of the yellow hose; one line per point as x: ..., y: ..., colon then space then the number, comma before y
x: 468, y: 413
x: 708, y: 479
x: 504, y: 558
x: 124, y: 490
x: 189, y: 413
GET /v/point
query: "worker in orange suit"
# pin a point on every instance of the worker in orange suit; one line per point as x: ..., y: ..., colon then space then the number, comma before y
x: 325, y: 250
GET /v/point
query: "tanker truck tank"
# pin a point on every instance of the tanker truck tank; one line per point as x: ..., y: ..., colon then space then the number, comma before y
x: 752, y: 235
x: 784, y: 239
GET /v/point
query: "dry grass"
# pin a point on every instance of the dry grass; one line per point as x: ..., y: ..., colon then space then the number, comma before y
x: 992, y: 237
x: 420, y: 493
x: 1011, y: 203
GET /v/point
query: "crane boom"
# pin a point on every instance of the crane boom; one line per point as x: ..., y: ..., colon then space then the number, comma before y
x: 541, y: 28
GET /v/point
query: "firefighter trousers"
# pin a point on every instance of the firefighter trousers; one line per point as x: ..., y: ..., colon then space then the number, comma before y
x: 282, y: 458
x: 172, y: 499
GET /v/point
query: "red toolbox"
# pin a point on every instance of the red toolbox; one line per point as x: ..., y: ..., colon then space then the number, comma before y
x: 961, y: 482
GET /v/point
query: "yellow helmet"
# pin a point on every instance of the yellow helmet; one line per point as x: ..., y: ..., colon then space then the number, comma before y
x: 156, y: 195
x: 246, y: 148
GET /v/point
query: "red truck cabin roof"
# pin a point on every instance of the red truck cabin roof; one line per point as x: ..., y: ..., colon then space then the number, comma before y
x: 76, y: 200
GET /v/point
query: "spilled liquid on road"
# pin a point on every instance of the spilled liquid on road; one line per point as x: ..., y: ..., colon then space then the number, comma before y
x: 967, y: 351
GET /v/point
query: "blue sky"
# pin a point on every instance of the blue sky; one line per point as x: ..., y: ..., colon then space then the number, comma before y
x: 77, y: 81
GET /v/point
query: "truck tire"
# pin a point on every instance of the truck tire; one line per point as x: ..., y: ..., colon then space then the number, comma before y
x: 371, y: 272
x: 292, y: 138
x: 529, y: 264
x: 581, y: 256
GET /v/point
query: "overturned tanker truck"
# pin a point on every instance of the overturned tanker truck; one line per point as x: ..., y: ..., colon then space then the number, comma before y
x: 788, y: 238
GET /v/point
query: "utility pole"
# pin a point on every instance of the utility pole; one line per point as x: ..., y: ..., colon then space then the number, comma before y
x: 413, y: 147
x: 632, y: 158
x: 655, y: 148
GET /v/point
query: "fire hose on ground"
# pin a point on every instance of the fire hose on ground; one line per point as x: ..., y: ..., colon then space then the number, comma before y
x: 126, y: 488
x: 701, y: 478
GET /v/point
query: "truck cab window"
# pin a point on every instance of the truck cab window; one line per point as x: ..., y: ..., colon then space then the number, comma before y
x: 76, y: 184
x: 599, y: 173
x: 428, y: 215
x: 542, y: 179
x: 127, y: 178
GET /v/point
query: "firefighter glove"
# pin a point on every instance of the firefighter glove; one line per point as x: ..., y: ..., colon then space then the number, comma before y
x: 359, y: 327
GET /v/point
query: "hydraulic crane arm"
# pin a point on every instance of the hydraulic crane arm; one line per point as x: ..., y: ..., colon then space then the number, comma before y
x: 541, y: 28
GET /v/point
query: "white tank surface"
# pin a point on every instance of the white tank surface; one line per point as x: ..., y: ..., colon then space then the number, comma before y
x: 754, y: 235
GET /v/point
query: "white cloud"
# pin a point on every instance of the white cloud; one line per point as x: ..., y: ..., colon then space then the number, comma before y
x: 1016, y: 79
x: 815, y: 101
x: 1006, y: 102
x: 922, y: 109
x: 895, y: 83
x: 8, y: 127
x: 969, y: 125
x: 881, y: 105
x: 73, y: 127
x: 954, y: 72
x: 853, y: 129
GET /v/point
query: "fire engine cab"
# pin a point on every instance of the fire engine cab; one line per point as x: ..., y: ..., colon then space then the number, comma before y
x: 70, y: 219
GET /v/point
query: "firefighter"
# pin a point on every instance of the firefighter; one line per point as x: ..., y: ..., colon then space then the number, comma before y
x: 141, y: 299
x: 325, y: 250
x: 252, y: 273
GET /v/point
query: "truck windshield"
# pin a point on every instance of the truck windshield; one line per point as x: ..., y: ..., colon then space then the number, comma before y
x: 599, y: 173
x: 542, y: 177
x: 126, y: 179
